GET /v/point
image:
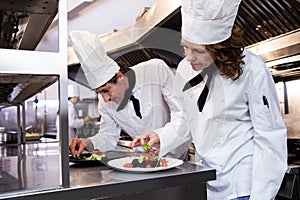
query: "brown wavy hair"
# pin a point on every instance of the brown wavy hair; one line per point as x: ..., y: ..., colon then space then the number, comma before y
x: 229, y: 54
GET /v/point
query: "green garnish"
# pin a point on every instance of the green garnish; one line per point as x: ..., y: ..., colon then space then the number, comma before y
x: 91, y: 157
x: 141, y: 159
x: 146, y: 147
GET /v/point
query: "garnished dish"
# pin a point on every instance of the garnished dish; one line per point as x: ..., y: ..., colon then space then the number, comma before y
x: 143, y: 164
x: 147, y: 162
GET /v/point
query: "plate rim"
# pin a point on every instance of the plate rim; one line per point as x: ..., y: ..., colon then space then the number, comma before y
x: 143, y: 170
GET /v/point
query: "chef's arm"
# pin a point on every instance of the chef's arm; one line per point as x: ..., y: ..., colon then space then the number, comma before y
x: 108, y: 136
x: 174, y: 136
x: 270, y: 150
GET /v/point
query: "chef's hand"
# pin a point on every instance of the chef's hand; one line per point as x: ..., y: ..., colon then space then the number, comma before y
x: 148, y: 137
x: 87, y: 119
x: 77, y: 145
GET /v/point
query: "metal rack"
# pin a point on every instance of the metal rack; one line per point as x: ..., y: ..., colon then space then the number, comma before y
x: 32, y: 71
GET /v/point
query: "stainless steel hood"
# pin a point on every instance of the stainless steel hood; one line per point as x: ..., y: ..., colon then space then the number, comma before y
x: 23, y: 23
x: 156, y: 34
x: 272, y: 30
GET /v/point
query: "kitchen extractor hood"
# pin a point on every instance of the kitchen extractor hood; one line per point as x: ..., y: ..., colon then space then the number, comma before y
x: 23, y: 23
x: 156, y: 34
x: 272, y: 29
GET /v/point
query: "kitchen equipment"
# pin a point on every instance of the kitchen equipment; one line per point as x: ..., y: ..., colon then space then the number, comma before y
x: 32, y: 136
x: 2, y: 129
x: 28, y: 128
x: 8, y: 137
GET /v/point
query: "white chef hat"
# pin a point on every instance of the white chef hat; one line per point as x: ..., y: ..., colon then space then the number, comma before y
x: 208, y: 22
x: 98, y: 67
x: 73, y: 90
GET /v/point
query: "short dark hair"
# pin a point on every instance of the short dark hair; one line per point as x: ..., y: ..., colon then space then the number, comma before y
x: 123, y: 68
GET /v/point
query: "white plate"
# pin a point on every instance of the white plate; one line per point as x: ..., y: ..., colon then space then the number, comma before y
x: 118, y: 164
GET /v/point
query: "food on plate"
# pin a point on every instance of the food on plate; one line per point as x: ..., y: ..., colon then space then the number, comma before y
x: 95, y: 155
x: 148, y: 161
x: 98, y: 153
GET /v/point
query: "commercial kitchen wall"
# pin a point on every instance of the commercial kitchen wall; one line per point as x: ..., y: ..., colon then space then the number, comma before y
x: 292, y: 118
x: 46, y: 109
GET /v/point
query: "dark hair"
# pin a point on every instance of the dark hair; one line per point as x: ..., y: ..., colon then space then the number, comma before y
x: 123, y: 68
x: 229, y: 54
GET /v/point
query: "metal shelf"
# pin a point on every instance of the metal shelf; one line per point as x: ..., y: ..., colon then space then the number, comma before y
x: 19, y: 87
x: 28, y: 71
x: 33, y: 17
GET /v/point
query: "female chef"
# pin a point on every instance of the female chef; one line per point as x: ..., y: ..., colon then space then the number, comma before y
x: 137, y: 99
x: 232, y: 106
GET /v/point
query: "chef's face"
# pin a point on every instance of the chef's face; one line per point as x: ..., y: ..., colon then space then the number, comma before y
x: 197, y: 55
x: 74, y: 100
x: 114, y: 91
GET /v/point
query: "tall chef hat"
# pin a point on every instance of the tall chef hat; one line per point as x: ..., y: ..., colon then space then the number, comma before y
x: 208, y: 22
x: 73, y: 90
x: 97, y: 66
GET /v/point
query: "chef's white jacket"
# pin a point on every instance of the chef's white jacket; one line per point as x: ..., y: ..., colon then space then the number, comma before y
x: 160, y: 109
x: 74, y: 121
x: 238, y: 133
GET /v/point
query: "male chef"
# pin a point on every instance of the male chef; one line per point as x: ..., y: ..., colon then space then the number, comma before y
x: 138, y: 99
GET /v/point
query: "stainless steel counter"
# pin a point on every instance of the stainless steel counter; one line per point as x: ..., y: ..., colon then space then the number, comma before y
x: 31, y: 171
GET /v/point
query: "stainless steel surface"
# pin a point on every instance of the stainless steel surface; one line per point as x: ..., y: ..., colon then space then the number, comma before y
x: 8, y: 137
x: 21, y: 62
x: 25, y: 22
x: 282, y: 54
x: 29, y: 167
x: 33, y: 111
x: 33, y: 169
x: 2, y: 129
x: 23, y: 86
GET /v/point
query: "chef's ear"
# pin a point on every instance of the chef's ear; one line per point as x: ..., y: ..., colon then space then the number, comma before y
x: 120, y: 74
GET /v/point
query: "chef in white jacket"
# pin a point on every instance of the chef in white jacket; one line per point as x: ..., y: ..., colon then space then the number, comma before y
x: 232, y: 105
x: 74, y: 121
x: 137, y: 99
